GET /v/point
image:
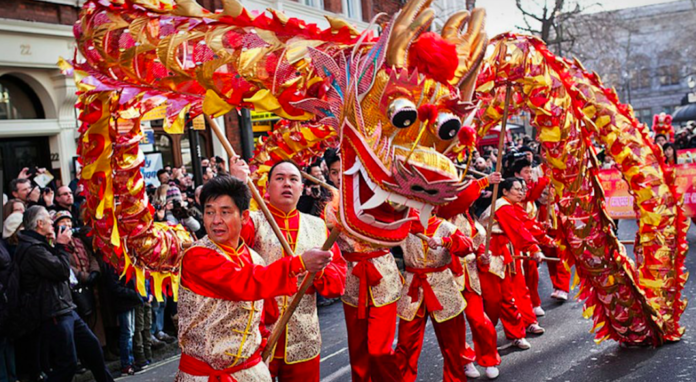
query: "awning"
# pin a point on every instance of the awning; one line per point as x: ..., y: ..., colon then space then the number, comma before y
x: 685, y: 114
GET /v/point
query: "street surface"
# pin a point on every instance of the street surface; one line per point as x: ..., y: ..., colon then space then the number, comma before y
x: 566, y: 352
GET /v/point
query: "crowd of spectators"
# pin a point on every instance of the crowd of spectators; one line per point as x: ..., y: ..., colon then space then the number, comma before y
x: 77, y: 312
x: 82, y: 312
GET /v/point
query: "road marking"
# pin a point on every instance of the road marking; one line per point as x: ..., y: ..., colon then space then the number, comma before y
x: 338, y: 374
x: 333, y: 354
x: 162, y: 363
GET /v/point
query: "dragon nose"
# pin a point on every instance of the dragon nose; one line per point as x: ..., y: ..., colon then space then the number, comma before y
x: 429, y: 191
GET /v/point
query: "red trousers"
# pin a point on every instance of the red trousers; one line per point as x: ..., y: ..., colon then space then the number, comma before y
x: 370, y: 343
x: 559, y: 275
x: 499, y: 303
x: 522, y: 297
x: 452, y: 346
x: 307, y: 371
x: 483, y: 331
x: 531, y: 279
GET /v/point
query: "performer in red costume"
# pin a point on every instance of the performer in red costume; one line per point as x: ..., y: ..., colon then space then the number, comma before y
x: 296, y: 356
x: 523, y: 169
x: 431, y: 290
x: 498, y: 270
x: 224, y: 284
x: 558, y: 271
x: 482, y: 329
x: 373, y: 286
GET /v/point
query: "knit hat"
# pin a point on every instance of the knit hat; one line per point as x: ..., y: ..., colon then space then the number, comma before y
x: 173, y: 194
x: 63, y: 214
x: 12, y: 224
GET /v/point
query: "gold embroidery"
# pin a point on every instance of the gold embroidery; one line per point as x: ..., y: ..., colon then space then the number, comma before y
x: 219, y: 342
x: 303, y: 337
x: 443, y: 283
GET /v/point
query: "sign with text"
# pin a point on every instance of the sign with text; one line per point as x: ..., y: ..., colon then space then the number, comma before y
x: 153, y: 163
x: 620, y: 203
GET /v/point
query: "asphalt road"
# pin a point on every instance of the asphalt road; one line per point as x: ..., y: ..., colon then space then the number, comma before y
x: 566, y: 352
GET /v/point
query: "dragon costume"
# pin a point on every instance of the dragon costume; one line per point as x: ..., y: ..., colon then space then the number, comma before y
x: 393, y: 104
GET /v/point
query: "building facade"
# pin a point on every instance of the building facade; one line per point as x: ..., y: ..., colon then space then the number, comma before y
x: 38, y: 119
x: 646, y: 53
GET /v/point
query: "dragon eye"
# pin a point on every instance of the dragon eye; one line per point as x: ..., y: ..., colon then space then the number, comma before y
x: 448, y: 126
x: 402, y: 113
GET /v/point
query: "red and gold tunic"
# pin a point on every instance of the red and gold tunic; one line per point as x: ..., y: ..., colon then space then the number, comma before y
x: 302, y: 338
x: 429, y: 278
x: 508, y: 234
x: 220, y: 305
x: 372, y: 275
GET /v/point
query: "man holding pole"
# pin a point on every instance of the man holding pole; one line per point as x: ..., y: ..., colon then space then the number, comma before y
x: 224, y: 284
x: 296, y: 355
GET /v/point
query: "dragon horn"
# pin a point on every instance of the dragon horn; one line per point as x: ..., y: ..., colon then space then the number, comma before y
x: 337, y: 23
x: 190, y: 8
x: 232, y: 8
x: 471, y: 47
x: 410, y: 22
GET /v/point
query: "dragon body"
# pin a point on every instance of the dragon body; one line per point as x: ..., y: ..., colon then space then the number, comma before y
x: 393, y: 104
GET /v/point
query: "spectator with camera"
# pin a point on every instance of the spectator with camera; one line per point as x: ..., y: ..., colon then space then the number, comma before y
x: 314, y: 197
x: 51, y: 321
x: 176, y: 211
x: 84, y: 266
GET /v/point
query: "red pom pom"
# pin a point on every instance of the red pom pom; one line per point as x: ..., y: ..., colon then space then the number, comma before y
x: 427, y: 111
x: 434, y: 56
x: 467, y: 136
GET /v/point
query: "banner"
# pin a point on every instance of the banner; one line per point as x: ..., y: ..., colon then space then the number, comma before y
x: 153, y: 163
x: 620, y: 203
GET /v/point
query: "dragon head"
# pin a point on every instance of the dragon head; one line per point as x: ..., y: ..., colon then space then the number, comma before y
x: 398, y: 104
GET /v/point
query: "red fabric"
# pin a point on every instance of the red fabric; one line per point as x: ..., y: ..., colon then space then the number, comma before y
x: 499, y: 303
x: 207, y: 273
x: 332, y: 280
x: 511, y: 219
x: 307, y: 371
x: 531, y: 279
x: 535, y: 189
x: 464, y: 200
x: 420, y: 281
x: 523, y: 299
x: 560, y: 276
x: 367, y: 273
x: 194, y: 366
x: 452, y: 347
x: 482, y: 330
x: 370, y: 344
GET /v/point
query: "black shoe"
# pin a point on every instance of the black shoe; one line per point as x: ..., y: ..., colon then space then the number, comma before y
x: 142, y: 365
x: 137, y: 368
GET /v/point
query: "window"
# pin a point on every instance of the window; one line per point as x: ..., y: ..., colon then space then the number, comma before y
x: 313, y: 3
x: 163, y: 144
x: 668, y: 75
x: 18, y: 101
x: 640, y: 79
x: 638, y: 72
x: 353, y: 9
x: 644, y: 115
x: 668, y: 68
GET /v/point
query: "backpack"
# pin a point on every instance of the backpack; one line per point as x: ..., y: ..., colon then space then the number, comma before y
x: 20, y: 313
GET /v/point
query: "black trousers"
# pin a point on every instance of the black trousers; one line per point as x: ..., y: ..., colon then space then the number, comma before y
x: 63, y: 338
